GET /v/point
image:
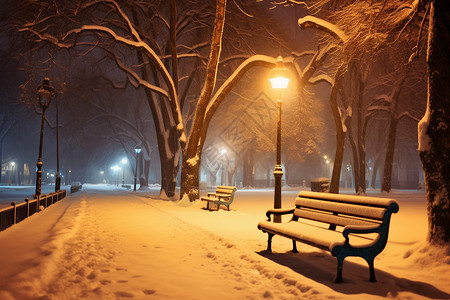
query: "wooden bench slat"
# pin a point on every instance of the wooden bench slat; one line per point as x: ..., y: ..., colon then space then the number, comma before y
x: 355, y: 199
x: 343, y: 208
x: 330, y: 218
x: 313, y: 235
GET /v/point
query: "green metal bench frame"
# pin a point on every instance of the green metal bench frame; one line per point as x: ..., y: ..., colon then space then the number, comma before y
x: 224, y: 195
x: 356, y: 215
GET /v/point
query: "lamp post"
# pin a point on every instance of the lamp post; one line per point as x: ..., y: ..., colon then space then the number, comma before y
x: 137, y: 149
x: 279, y: 78
x: 45, y: 93
x: 58, y: 175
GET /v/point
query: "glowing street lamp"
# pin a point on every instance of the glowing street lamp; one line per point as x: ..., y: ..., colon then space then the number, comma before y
x: 279, y: 78
x: 45, y: 93
x: 137, y: 149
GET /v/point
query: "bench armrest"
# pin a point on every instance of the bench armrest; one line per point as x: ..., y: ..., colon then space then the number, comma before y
x: 360, y: 229
x: 211, y: 194
x: 279, y: 212
x: 223, y: 197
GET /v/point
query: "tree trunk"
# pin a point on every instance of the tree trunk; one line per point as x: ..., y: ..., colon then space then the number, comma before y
x: 356, y: 165
x: 190, y: 177
x: 374, y: 173
x: 192, y: 153
x: 434, y: 131
x: 387, y: 171
x: 340, y: 133
x: 248, y: 166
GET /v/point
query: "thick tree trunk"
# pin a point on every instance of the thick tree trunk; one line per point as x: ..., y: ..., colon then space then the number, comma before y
x: 387, y: 171
x: 434, y: 128
x: 190, y: 177
x: 192, y: 153
x: 340, y: 133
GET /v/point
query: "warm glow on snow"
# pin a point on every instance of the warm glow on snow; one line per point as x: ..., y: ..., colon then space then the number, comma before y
x: 112, y: 244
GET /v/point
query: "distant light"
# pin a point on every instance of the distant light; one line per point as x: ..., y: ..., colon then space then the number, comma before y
x: 124, y: 161
x: 279, y: 76
x: 13, y: 163
x: 101, y: 172
x: 325, y: 157
x: 137, y: 149
x: 223, y: 151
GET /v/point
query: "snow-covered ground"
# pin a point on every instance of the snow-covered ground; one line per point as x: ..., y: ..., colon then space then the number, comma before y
x: 111, y: 244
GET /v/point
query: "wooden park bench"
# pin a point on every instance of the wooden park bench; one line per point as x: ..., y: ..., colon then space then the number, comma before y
x: 344, y: 225
x: 224, y: 195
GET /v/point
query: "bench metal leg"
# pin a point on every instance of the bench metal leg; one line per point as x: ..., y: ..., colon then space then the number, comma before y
x: 372, y: 271
x: 294, y: 247
x: 339, y: 269
x: 269, y: 242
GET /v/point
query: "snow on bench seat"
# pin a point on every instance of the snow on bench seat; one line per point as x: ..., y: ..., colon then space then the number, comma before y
x: 345, y: 225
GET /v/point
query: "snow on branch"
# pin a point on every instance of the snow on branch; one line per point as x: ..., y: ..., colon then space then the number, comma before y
x: 119, y: 11
x: 311, y: 21
x: 227, y: 86
x: 408, y: 115
x: 321, y: 78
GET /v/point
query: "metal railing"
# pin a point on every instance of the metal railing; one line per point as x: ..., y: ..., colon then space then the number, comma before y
x: 18, y: 212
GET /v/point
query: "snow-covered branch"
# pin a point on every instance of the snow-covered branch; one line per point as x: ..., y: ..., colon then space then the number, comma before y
x: 227, y: 86
x: 321, y: 78
x: 311, y: 21
x: 408, y: 115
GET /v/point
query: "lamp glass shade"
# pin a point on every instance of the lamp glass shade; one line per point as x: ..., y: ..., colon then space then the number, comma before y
x: 279, y: 76
x: 279, y: 82
x: 44, y: 97
x: 137, y: 149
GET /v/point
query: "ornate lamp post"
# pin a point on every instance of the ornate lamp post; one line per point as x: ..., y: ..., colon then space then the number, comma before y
x: 45, y: 93
x: 58, y: 174
x: 137, y: 149
x: 279, y: 78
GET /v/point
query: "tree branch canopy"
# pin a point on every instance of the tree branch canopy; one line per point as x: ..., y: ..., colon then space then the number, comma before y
x: 311, y: 21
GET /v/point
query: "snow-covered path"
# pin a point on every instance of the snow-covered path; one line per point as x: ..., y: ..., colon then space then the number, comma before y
x: 115, y: 245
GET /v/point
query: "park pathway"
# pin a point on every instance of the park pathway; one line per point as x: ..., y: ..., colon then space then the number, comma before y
x: 110, y: 246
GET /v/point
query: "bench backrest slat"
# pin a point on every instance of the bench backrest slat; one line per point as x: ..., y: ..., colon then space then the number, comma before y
x: 331, y: 219
x: 227, y: 190
x: 361, y: 200
x: 363, y: 211
x: 342, y: 210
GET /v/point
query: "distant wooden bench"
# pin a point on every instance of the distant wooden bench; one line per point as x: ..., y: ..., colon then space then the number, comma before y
x: 344, y: 225
x: 224, y: 195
